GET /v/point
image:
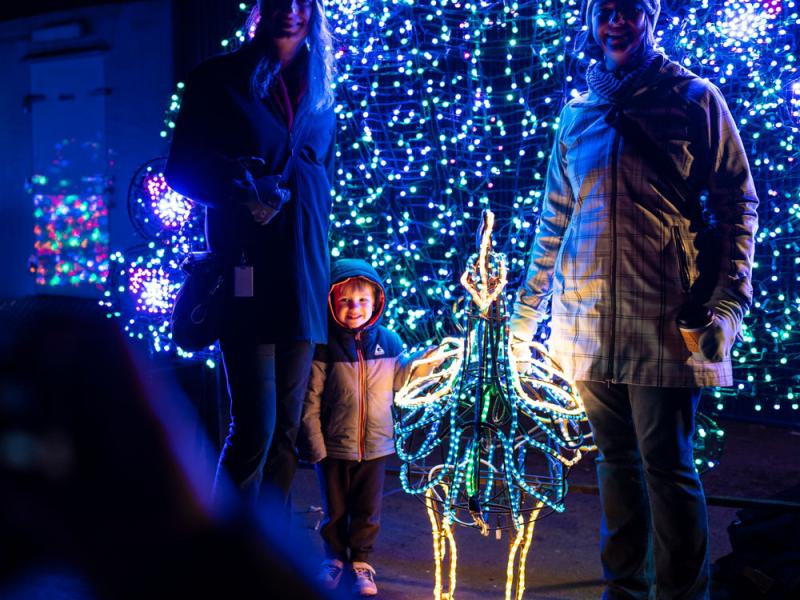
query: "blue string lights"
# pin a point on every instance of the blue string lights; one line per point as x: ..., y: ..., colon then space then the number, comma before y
x: 448, y: 107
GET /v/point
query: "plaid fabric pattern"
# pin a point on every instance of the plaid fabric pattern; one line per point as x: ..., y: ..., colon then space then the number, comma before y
x: 616, y: 254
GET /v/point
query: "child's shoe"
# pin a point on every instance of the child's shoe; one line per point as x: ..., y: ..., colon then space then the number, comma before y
x: 364, y: 579
x: 330, y: 573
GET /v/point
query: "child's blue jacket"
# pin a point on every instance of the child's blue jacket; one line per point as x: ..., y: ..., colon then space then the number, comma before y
x: 347, y: 413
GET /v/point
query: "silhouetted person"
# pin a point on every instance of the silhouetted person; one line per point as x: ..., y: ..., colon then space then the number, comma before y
x: 98, y: 487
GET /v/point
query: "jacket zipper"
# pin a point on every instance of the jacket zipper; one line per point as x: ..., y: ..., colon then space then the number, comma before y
x: 362, y: 399
x: 683, y: 262
x: 613, y: 333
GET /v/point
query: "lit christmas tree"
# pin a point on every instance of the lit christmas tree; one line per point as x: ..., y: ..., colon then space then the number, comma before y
x: 447, y: 107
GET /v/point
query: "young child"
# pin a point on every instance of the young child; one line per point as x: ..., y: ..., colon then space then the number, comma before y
x: 347, y: 420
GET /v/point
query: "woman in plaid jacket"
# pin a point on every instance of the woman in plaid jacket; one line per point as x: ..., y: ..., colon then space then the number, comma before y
x: 649, y: 207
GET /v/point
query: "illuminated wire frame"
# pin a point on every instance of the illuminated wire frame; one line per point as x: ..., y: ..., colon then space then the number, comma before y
x: 152, y: 288
x: 146, y: 287
x: 147, y: 284
x: 154, y: 208
x: 485, y: 443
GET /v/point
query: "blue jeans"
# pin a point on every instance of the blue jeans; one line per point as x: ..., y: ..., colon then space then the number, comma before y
x: 654, y: 529
x: 266, y: 386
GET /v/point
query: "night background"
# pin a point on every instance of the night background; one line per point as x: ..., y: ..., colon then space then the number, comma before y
x: 444, y: 108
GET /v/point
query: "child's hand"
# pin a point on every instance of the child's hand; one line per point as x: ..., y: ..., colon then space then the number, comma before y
x: 425, y: 369
x: 429, y: 352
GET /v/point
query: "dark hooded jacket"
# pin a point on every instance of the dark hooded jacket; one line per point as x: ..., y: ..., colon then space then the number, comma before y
x: 221, y: 120
x: 347, y: 412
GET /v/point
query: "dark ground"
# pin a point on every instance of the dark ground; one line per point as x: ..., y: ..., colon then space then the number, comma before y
x: 758, y: 462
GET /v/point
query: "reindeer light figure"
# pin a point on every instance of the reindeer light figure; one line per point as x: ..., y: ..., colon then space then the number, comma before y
x: 486, y: 438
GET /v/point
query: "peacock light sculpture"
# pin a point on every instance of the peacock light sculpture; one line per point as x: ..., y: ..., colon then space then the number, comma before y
x: 486, y: 437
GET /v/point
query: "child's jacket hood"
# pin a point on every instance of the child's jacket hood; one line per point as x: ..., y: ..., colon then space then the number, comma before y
x: 350, y: 268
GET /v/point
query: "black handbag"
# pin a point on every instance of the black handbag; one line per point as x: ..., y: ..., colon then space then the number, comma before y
x: 197, y: 314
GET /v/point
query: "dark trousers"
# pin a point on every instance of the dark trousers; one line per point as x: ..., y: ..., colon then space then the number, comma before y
x: 266, y: 385
x: 653, y: 507
x: 352, y: 492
